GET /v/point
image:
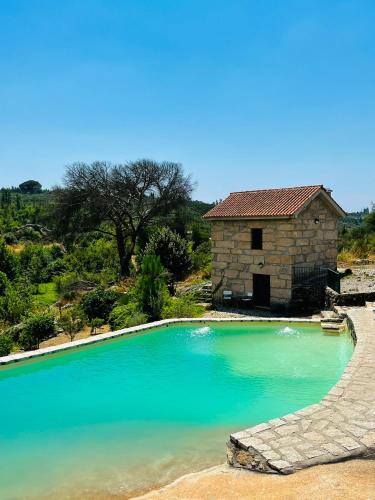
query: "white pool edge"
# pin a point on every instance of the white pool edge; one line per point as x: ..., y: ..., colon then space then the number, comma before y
x: 14, y: 358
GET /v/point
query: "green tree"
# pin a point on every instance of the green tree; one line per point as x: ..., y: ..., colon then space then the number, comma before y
x: 4, y: 282
x: 95, y: 324
x: 17, y: 301
x: 39, y: 327
x: 98, y: 303
x: 151, y: 288
x: 34, y: 260
x: 30, y: 187
x: 172, y: 250
x: 6, y: 344
x: 71, y: 322
x: 8, y: 261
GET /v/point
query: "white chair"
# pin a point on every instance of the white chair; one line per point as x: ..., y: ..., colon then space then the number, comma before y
x: 248, y: 297
x: 227, y: 295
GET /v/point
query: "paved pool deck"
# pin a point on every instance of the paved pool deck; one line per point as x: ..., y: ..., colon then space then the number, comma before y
x: 340, y: 427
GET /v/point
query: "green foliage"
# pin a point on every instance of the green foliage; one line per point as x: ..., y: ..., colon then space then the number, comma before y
x: 98, y: 303
x: 4, y: 282
x: 55, y: 268
x: 172, y: 250
x: 369, y: 222
x: 17, y: 301
x: 358, y: 241
x: 94, y: 256
x: 200, y: 233
x: 34, y: 261
x: 139, y: 318
x: 47, y: 294
x: 8, y: 261
x: 151, y: 289
x: 38, y: 327
x: 30, y: 234
x: 30, y: 187
x: 6, y: 344
x: 201, y: 257
x: 181, y: 307
x: 95, y: 324
x: 125, y: 316
x: 10, y: 238
x: 71, y: 321
x: 65, y: 281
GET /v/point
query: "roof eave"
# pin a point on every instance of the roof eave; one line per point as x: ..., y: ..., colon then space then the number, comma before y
x: 245, y: 217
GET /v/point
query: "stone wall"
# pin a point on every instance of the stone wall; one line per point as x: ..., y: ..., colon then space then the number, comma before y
x: 347, y: 299
x: 316, y: 243
x: 286, y: 242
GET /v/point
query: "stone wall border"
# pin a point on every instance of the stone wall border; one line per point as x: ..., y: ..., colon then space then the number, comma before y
x: 340, y: 427
x: 14, y: 358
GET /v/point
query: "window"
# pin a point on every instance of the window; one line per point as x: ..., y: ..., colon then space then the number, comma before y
x: 257, y: 239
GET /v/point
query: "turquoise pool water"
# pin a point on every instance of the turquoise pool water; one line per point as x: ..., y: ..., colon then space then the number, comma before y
x: 138, y: 411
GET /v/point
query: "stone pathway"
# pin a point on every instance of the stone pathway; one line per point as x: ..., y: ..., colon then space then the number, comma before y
x: 341, y: 426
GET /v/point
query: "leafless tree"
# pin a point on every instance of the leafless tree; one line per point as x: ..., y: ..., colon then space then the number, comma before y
x: 119, y: 200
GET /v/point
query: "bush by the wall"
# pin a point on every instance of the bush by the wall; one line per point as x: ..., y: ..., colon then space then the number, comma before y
x: 181, y: 307
x: 172, y: 250
x: 98, y: 303
x: 126, y: 316
x: 37, y: 328
x: 6, y: 344
x: 151, y: 290
x: 8, y: 261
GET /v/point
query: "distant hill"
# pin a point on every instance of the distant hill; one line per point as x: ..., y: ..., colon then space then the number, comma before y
x: 354, y: 219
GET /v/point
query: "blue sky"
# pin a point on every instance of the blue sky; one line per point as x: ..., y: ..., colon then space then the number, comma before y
x: 245, y: 94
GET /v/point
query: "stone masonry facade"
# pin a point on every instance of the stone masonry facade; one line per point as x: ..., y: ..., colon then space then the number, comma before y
x: 307, y: 239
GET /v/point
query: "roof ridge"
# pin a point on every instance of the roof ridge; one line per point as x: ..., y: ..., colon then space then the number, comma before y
x: 278, y: 189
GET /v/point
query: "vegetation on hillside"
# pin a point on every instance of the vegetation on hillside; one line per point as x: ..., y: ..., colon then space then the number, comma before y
x: 357, y: 236
x: 108, y: 246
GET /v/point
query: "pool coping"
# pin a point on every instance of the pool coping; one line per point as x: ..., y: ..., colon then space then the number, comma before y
x: 27, y: 355
x: 340, y: 427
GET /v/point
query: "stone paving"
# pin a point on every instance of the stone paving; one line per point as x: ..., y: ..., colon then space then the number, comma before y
x: 340, y: 427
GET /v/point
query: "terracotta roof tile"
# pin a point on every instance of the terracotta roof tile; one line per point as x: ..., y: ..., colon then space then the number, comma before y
x: 283, y: 202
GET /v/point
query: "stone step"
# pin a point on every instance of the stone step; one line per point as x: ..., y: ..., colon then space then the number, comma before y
x: 325, y: 325
x: 331, y: 320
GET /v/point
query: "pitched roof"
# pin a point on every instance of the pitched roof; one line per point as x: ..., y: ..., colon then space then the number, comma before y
x: 283, y: 202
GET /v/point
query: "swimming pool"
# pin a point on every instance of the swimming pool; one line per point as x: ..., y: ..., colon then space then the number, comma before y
x: 132, y: 413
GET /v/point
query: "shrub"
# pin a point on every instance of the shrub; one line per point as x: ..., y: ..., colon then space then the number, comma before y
x: 201, y: 257
x: 37, y: 328
x: 17, y: 301
x: 65, y: 281
x: 151, y: 288
x: 95, y: 324
x: 6, y: 344
x: 3, y: 283
x: 55, y: 268
x: 138, y: 318
x: 199, y: 234
x: 10, y: 238
x: 98, y: 303
x: 181, y: 307
x: 71, y: 322
x: 30, y: 234
x: 125, y: 316
x: 172, y: 250
x: 8, y: 261
x: 34, y: 260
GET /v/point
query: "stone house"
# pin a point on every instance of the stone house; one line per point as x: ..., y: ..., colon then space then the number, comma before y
x: 259, y: 238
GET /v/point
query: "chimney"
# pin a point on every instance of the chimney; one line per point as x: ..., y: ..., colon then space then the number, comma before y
x: 329, y: 191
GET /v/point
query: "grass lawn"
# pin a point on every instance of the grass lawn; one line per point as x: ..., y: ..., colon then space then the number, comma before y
x: 47, y: 294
